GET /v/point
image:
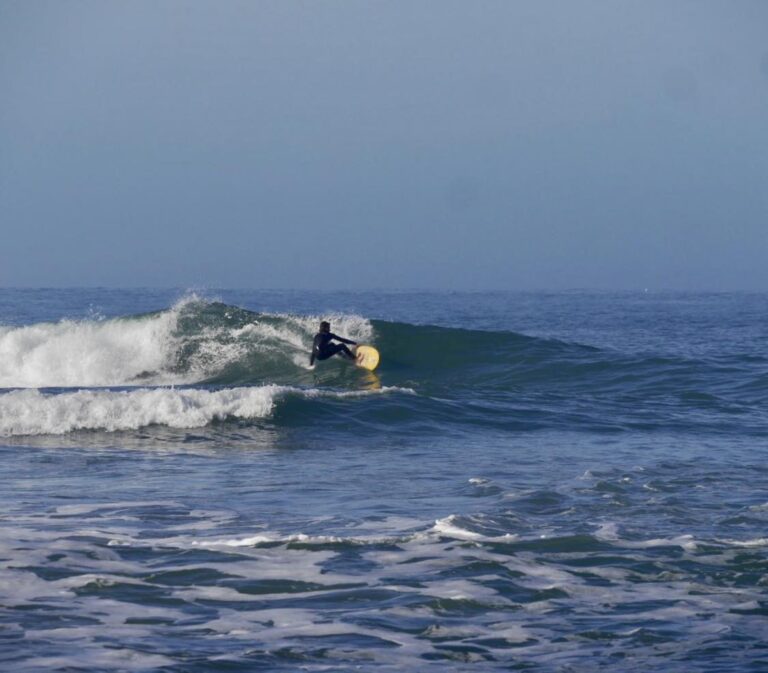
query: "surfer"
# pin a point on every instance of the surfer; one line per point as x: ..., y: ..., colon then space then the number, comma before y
x: 322, y: 348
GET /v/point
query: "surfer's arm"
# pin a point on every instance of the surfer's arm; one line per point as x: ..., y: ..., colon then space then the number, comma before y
x: 343, y: 340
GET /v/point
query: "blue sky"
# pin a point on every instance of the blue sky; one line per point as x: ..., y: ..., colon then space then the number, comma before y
x: 441, y: 144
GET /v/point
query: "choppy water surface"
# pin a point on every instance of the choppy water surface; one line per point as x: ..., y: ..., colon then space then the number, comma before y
x: 552, y: 482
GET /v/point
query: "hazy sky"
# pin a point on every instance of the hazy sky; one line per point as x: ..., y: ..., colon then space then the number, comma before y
x: 432, y: 144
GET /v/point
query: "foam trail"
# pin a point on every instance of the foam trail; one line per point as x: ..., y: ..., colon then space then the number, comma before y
x: 31, y: 412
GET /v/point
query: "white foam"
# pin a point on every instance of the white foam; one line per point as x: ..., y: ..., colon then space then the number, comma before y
x: 250, y: 541
x: 608, y: 532
x: 448, y: 527
x: 683, y: 541
x: 461, y: 589
x: 86, y: 353
x: 267, y: 538
x: 756, y: 542
x: 31, y: 412
x: 237, y: 620
x: 387, y: 531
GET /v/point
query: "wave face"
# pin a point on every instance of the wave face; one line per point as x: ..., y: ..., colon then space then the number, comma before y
x: 241, y: 362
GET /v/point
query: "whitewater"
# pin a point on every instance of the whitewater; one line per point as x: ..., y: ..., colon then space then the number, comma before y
x: 529, y: 481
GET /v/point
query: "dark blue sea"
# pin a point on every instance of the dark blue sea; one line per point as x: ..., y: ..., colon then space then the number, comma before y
x: 559, y: 482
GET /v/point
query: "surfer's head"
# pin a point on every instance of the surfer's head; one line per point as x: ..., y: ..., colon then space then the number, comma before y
x: 325, y: 326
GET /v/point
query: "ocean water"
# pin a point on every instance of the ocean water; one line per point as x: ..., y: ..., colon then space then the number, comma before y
x: 541, y: 482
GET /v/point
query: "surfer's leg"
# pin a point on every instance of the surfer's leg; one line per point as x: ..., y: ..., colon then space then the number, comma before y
x: 333, y: 349
x: 330, y: 350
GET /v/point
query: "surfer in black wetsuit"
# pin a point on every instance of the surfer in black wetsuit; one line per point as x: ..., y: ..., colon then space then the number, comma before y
x: 322, y: 348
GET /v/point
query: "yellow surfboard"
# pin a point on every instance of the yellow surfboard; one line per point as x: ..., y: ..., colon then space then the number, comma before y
x: 367, y: 357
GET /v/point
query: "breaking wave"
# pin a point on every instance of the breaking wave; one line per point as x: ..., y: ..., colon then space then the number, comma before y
x: 232, y: 363
x: 192, y: 342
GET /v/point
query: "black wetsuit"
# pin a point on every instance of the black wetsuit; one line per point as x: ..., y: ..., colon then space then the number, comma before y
x: 322, y: 348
